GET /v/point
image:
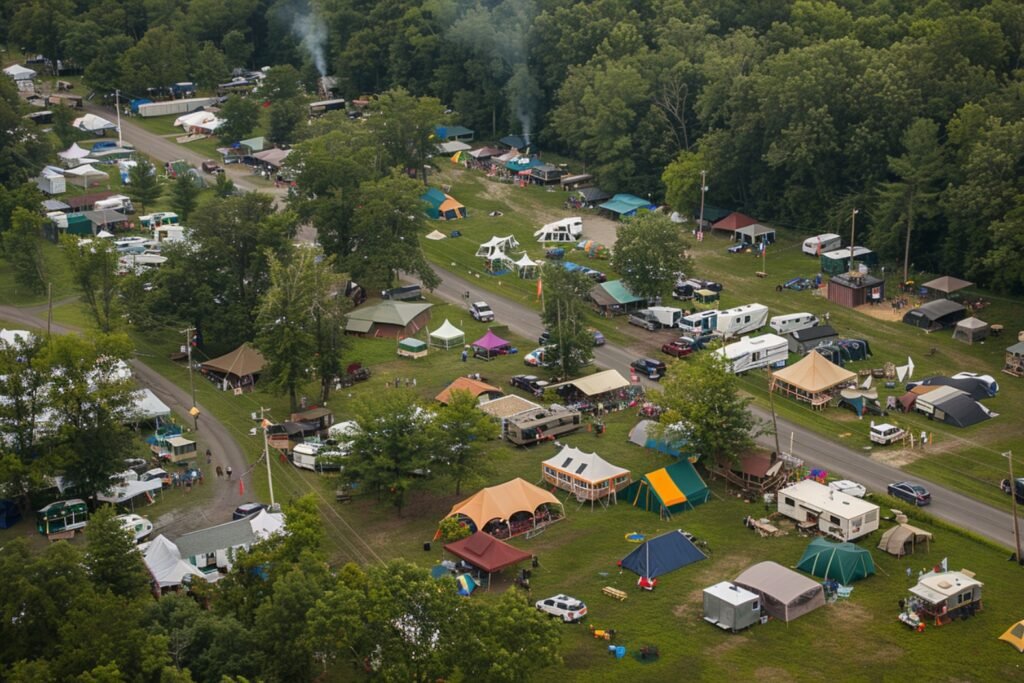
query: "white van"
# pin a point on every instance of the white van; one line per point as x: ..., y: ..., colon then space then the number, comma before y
x: 819, y: 244
x: 791, y: 322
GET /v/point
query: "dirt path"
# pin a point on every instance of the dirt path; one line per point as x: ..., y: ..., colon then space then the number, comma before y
x: 212, y: 434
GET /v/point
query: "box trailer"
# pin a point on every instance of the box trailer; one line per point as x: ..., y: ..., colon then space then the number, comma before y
x: 791, y: 322
x: 750, y: 353
x: 731, y: 607
x: 832, y: 512
x: 700, y: 323
x: 171, y: 107
x: 734, y: 322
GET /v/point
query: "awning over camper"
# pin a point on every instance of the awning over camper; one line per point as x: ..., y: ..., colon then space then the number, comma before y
x: 785, y: 594
x: 598, y: 383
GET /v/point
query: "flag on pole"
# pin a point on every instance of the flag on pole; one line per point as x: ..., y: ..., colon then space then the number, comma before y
x: 241, y: 487
x: 819, y: 248
x: 540, y: 287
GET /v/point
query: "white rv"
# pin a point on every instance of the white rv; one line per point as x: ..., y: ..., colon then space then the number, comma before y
x: 667, y: 316
x: 565, y: 230
x: 791, y: 322
x: 316, y: 456
x: 700, y: 323
x: 820, y: 244
x: 750, y: 353
x: 734, y: 322
x: 117, y: 202
x: 834, y: 513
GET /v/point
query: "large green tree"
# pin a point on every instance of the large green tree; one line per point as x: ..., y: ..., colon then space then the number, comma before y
x: 144, y: 186
x: 649, y: 253
x: 403, y: 126
x: 563, y: 312
x: 240, y: 116
x: 461, y: 431
x: 184, y: 195
x: 113, y: 560
x: 93, y: 267
x: 392, y: 446
x: 702, y: 397
x: 22, y: 247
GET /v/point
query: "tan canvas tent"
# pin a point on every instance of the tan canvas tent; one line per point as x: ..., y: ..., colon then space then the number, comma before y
x: 598, y: 383
x: 238, y: 367
x: 971, y: 330
x: 947, y: 284
x: 516, y: 497
x: 784, y: 593
x: 811, y: 379
x: 587, y: 476
x: 902, y: 539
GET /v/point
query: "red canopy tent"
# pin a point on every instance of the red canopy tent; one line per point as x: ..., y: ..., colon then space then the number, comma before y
x: 486, y: 553
x: 733, y: 222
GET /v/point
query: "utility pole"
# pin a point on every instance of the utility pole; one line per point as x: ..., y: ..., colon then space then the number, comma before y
x: 49, y: 308
x: 189, y: 331
x: 853, y: 232
x: 266, y: 454
x: 117, y: 107
x: 1013, y: 506
x: 703, y: 189
x: 775, y: 422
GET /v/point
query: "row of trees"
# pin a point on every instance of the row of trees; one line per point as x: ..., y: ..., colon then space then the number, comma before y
x: 282, y: 614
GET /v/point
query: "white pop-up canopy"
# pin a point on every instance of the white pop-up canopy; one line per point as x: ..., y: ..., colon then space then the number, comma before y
x: 447, y: 336
x: 526, y: 266
x: 73, y: 152
x: 85, y: 175
x: 20, y: 73
x: 90, y: 123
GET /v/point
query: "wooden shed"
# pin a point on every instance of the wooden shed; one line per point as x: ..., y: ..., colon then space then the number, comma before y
x: 855, y: 289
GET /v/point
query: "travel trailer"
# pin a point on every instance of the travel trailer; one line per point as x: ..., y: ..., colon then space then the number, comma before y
x: 316, y: 456
x: 832, y: 512
x: 701, y: 322
x: 821, y: 244
x: 656, y: 317
x: 791, y: 322
x: 117, y: 202
x: 734, y: 322
x: 750, y: 353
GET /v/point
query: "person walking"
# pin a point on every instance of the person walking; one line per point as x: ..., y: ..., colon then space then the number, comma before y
x: 228, y: 470
x: 209, y: 456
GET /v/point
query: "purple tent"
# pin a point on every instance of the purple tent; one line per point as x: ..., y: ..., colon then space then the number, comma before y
x: 490, y: 345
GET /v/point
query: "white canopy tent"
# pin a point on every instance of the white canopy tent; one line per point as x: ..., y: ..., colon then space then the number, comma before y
x: 20, y: 73
x: 266, y: 524
x: 497, y: 245
x: 147, y: 405
x: 85, y: 175
x: 73, y: 152
x: 163, y: 559
x: 125, y: 492
x: 527, y: 267
x: 90, y: 123
x: 499, y: 261
x: 447, y: 336
x: 199, y: 121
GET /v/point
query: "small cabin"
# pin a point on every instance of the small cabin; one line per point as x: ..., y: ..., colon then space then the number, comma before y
x: 730, y: 607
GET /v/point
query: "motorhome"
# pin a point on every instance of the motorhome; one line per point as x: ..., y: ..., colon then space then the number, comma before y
x: 117, y: 202
x: 734, y: 322
x: 535, y: 426
x: 831, y: 512
x: 821, y: 244
x: 791, y: 322
x: 750, y: 353
x: 700, y: 323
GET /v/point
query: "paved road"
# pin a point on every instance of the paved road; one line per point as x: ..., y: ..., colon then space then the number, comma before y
x: 815, y: 450
x: 212, y: 435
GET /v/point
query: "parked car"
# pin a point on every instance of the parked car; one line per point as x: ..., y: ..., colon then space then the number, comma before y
x: 851, y: 488
x: 248, y: 510
x: 910, y: 492
x: 650, y: 368
x: 211, y: 167
x: 599, y: 340
x: 885, y: 433
x: 737, y: 248
x: 595, y: 275
x: 481, y: 312
x: 156, y: 473
x: 644, y: 320
x: 677, y: 348
x: 530, y: 383
x: 564, y: 607
x: 1004, y: 485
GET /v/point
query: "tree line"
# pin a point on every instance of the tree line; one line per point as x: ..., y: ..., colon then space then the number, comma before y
x: 281, y: 614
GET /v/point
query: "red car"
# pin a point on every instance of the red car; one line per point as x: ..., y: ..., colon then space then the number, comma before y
x: 677, y: 348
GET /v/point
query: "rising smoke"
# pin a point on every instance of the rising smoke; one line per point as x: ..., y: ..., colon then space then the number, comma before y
x: 312, y: 33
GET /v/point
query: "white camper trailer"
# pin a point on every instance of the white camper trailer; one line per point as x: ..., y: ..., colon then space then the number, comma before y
x: 700, y: 323
x: 734, y: 322
x: 316, y: 456
x: 821, y: 244
x: 667, y: 316
x: 565, y: 230
x: 791, y: 322
x: 750, y: 353
x: 834, y: 513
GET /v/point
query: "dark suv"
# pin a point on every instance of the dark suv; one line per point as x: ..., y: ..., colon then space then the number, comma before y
x: 648, y: 367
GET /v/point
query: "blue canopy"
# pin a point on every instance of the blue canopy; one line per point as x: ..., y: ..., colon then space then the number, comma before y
x: 662, y: 555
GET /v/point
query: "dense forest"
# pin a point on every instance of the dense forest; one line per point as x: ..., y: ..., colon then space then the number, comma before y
x: 912, y: 112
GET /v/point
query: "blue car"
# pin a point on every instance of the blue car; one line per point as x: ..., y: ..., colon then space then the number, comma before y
x: 910, y: 492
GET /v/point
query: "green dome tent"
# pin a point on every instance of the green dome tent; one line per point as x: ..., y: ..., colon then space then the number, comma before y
x: 844, y: 562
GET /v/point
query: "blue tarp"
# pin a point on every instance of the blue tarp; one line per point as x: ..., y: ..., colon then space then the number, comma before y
x: 662, y: 555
